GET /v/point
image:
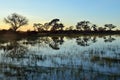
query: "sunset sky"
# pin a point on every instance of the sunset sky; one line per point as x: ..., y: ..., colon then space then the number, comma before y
x: 69, y: 12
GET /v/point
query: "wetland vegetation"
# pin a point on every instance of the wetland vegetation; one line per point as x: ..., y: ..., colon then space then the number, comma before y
x: 61, y: 57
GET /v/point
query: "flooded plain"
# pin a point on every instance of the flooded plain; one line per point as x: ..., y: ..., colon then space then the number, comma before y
x: 61, y: 58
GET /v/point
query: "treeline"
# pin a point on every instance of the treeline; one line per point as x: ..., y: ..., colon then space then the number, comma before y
x: 16, y: 21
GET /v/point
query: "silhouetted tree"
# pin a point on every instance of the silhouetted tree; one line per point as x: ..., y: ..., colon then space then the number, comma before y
x: 61, y: 26
x: 41, y: 27
x: 83, y: 25
x: 94, y: 26
x: 101, y: 29
x: 110, y: 26
x: 38, y: 27
x: 55, y: 25
x: 54, y: 21
x: 79, y: 26
x: 46, y: 26
x: 86, y: 26
x: 16, y: 21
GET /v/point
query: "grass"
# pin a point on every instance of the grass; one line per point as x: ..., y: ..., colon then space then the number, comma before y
x: 105, y: 59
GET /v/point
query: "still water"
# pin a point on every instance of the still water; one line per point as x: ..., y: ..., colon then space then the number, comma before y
x: 61, y: 58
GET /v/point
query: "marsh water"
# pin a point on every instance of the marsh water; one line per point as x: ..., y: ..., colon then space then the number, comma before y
x: 61, y: 58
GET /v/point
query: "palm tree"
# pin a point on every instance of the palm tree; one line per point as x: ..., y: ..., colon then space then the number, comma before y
x: 16, y: 21
x: 110, y: 26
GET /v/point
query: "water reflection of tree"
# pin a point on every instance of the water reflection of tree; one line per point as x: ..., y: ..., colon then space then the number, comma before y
x: 109, y: 39
x: 14, y: 50
x: 56, y: 42
x: 87, y: 40
x: 31, y: 40
x: 42, y: 41
x: 83, y: 41
x: 94, y: 39
x: 34, y: 72
x: 53, y: 42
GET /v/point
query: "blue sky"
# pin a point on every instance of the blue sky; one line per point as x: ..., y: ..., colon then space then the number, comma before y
x: 69, y: 11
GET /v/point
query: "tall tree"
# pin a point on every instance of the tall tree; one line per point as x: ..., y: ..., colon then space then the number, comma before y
x: 54, y: 24
x: 16, y: 21
x: 110, y: 26
x: 86, y: 26
x: 54, y: 21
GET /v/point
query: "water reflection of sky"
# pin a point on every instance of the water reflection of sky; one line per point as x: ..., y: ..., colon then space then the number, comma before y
x: 100, y: 56
x: 71, y: 46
